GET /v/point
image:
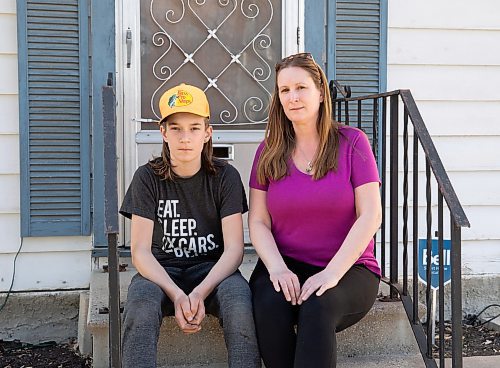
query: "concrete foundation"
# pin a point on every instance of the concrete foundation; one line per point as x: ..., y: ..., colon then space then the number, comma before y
x: 84, y: 338
x: 477, y: 293
x: 40, y: 316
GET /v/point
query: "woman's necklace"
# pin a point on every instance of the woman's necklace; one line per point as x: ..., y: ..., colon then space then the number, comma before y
x: 309, y: 166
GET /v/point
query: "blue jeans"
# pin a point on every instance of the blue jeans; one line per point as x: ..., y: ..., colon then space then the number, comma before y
x: 147, y: 304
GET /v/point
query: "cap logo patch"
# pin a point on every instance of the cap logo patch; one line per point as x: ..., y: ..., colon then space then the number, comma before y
x: 181, y: 98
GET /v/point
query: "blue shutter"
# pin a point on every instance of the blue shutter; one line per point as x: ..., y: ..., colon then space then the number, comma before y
x: 357, y: 45
x: 103, y: 62
x: 349, y: 39
x: 360, y: 52
x: 54, y: 117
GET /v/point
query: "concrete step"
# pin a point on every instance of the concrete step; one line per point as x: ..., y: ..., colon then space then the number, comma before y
x: 384, y: 332
x: 409, y: 361
x: 413, y: 361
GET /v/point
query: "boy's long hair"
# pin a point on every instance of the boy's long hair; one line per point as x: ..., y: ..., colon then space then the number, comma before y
x: 162, y: 166
x: 280, y: 136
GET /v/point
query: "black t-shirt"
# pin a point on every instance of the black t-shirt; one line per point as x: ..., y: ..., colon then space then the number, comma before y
x: 186, y: 212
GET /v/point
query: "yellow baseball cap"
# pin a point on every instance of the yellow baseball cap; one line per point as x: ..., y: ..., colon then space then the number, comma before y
x: 184, y: 98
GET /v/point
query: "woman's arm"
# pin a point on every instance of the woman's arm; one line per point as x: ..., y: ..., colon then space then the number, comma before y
x: 369, y: 217
x: 259, y: 223
x: 147, y: 265
x: 228, y: 263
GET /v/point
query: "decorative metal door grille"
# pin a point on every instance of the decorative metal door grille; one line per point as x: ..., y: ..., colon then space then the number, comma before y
x: 226, y: 47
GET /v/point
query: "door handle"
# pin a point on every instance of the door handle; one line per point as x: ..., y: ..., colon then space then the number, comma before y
x: 144, y: 120
x: 128, y: 41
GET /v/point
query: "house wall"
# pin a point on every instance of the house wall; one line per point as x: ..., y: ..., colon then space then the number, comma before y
x: 446, y: 53
x: 43, y: 263
x: 443, y: 51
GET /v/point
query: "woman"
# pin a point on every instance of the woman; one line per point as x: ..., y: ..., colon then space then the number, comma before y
x: 186, y: 239
x: 314, y: 209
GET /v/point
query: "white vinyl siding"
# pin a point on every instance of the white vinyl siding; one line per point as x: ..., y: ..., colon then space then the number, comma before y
x: 433, y: 82
x: 8, y: 65
x: 448, y: 47
x: 8, y: 7
x: 9, y: 131
x: 47, y: 270
x: 9, y: 143
x: 46, y: 263
x: 10, y: 113
x: 446, y: 53
x: 444, y: 14
x: 459, y: 119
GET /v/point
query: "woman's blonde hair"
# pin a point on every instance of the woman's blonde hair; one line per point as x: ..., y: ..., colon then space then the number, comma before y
x: 280, y: 135
x: 162, y: 166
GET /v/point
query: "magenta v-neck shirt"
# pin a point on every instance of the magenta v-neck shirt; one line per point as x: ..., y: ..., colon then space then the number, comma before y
x: 311, y: 218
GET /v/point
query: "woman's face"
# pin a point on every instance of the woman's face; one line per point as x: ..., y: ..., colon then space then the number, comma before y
x: 298, y: 95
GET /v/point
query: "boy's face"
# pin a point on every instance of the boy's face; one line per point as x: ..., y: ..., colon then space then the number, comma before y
x: 185, y: 135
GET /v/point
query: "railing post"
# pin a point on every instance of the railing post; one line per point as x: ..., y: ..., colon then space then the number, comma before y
x: 405, y: 203
x: 346, y: 113
x: 111, y: 221
x: 114, y: 303
x: 428, y: 238
x: 375, y: 153
x: 394, y: 121
x: 456, y: 292
x: 441, y: 279
x: 415, y: 228
x: 383, y: 174
x: 375, y: 128
x: 360, y: 125
x: 339, y: 106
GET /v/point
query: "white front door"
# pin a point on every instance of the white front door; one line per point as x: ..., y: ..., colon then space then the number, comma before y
x: 226, y: 47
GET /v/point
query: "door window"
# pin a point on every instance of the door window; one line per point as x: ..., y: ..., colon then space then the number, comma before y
x: 227, y: 48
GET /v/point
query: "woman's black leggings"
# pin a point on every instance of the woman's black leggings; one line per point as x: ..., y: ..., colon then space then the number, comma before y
x: 313, y: 343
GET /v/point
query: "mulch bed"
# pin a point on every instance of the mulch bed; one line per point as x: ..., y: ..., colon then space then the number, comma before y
x: 479, y: 340
x: 15, y: 354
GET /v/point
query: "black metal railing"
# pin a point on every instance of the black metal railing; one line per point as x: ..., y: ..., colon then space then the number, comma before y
x: 363, y: 112
x: 111, y: 220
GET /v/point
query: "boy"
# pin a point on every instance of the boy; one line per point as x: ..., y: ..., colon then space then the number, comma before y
x: 186, y: 238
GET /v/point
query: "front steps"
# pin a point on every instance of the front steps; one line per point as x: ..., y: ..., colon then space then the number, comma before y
x: 407, y: 361
x: 358, y: 362
x: 383, y: 335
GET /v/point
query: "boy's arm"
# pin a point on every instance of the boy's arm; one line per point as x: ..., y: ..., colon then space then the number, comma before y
x: 147, y: 265
x: 228, y: 263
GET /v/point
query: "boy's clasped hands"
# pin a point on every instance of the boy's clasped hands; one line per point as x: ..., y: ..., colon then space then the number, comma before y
x: 189, y: 311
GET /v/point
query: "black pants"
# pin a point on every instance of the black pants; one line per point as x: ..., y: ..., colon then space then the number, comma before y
x: 313, y: 343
